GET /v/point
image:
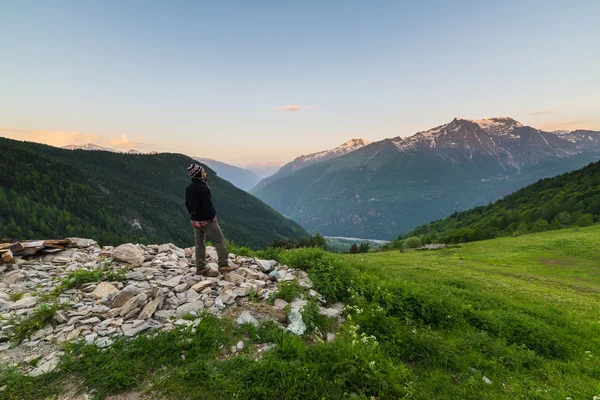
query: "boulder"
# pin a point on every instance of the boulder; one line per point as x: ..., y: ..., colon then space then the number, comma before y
x: 129, y: 254
x: 104, y: 289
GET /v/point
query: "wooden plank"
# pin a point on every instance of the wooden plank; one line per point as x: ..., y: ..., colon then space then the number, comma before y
x: 51, y: 251
x: 62, y: 242
x: 36, y: 243
x: 7, y: 257
x: 54, y: 246
x: 16, y: 248
x: 29, y: 251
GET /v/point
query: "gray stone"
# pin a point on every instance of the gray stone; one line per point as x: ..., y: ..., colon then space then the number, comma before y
x: 104, y: 289
x: 200, y: 286
x: 190, y: 308
x: 266, y: 265
x: 129, y: 253
x: 247, y: 318
x: 280, y: 303
x: 234, y: 278
x: 296, y: 324
x: 164, y: 315
x: 164, y: 248
x: 329, y: 312
x: 131, y: 330
x: 171, y: 283
x: 81, y: 243
x: 149, y: 309
x: 132, y: 304
x: 124, y: 296
x: 25, y: 302
x: 14, y: 277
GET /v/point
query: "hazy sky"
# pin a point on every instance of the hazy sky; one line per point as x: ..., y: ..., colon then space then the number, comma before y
x: 243, y: 81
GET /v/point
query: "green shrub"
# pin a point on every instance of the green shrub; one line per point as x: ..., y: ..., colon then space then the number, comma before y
x: 585, y: 220
x: 412, y: 243
x: 289, y: 291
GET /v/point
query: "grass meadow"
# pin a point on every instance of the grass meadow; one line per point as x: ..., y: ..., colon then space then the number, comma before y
x: 510, y: 318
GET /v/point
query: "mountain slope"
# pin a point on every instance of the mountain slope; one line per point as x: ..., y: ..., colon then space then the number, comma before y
x: 240, y: 177
x: 114, y: 197
x: 310, y: 159
x: 395, y: 185
x: 553, y: 203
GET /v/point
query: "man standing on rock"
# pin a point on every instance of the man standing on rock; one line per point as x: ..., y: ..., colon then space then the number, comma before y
x: 203, y: 217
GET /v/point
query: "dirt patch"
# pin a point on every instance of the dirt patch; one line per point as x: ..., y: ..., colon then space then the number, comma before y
x: 559, y: 262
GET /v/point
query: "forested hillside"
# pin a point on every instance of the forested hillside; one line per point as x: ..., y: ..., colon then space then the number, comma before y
x: 46, y: 192
x: 571, y: 199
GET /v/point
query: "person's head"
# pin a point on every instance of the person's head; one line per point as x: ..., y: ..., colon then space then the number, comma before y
x: 196, y: 171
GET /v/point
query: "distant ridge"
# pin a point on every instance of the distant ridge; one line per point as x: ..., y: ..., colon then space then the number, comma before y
x: 394, y: 185
x: 116, y: 198
x: 571, y: 199
x: 306, y: 160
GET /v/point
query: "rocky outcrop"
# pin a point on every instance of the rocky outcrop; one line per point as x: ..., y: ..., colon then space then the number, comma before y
x: 157, y: 289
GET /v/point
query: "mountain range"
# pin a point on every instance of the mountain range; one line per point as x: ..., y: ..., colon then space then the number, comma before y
x: 386, y: 188
x: 310, y: 159
x: 95, y: 147
x: 240, y: 177
x: 115, y: 198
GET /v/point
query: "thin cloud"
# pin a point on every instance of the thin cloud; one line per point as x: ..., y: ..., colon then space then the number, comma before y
x: 62, y: 138
x: 53, y: 138
x: 291, y: 107
x: 567, y: 125
x: 123, y: 142
x: 544, y: 112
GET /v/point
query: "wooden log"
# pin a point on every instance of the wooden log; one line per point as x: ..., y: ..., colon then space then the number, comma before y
x: 33, y: 243
x: 7, y: 257
x: 30, y: 251
x: 52, y: 243
x: 16, y: 248
x: 51, y: 251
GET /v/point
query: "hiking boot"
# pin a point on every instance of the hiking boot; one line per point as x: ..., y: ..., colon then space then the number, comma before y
x: 228, y: 268
x: 206, y: 271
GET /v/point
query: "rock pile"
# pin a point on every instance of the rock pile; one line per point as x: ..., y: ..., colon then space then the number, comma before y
x: 433, y: 247
x: 156, y: 290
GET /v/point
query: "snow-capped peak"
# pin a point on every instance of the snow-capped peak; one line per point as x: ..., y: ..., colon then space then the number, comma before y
x: 345, y: 148
x: 88, y: 146
x: 352, y: 144
x: 497, y: 125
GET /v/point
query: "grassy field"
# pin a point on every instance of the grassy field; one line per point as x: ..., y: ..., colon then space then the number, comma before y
x: 510, y: 318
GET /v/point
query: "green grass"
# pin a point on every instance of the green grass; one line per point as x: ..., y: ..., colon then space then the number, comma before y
x: 521, y: 312
x: 23, y: 327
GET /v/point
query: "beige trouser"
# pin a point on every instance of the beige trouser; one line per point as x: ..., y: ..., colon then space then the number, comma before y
x: 213, y: 230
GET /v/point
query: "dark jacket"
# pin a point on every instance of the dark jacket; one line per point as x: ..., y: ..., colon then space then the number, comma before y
x: 199, y: 201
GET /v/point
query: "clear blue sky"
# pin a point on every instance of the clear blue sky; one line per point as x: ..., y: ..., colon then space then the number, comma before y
x: 213, y: 78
